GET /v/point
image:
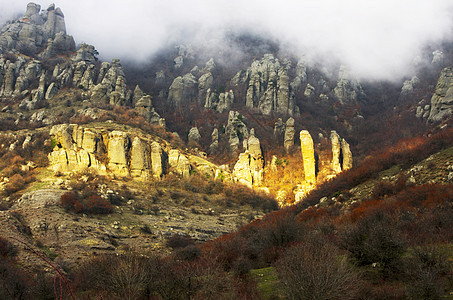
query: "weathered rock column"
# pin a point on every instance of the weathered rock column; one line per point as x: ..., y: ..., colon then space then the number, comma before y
x: 140, y: 160
x: 156, y: 159
x: 289, y: 134
x: 336, y: 150
x: 308, y: 156
x: 347, y: 155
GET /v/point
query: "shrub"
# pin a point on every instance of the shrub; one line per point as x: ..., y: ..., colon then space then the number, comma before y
x: 314, y: 270
x: 93, y: 204
x: 6, y: 248
x: 428, y: 269
x: 374, y: 239
x: 16, y: 183
x: 179, y: 241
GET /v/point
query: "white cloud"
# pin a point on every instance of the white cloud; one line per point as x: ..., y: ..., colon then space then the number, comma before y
x: 376, y: 38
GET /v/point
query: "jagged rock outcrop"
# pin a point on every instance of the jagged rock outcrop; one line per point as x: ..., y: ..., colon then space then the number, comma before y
x: 289, y: 134
x: 409, y: 85
x: 268, y: 86
x: 308, y: 156
x: 249, y: 169
x: 75, y: 149
x: 193, y: 138
x: 438, y: 57
x: 279, y: 130
x: 183, y: 89
x: 86, y: 53
x: 347, y: 89
x: 347, y: 155
x: 219, y: 102
x: 442, y: 99
x: 204, y: 86
x: 36, y: 30
x: 423, y: 109
x: 179, y: 163
x: 235, y: 130
x: 214, y: 141
x: 309, y: 91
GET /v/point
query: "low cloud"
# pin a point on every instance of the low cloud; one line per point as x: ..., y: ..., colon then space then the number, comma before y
x: 376, y: 39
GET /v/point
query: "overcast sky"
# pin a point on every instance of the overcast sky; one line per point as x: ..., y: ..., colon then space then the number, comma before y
x: 375, y: 38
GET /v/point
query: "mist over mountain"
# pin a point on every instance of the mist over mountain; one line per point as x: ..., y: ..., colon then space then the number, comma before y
x: 376, y: 40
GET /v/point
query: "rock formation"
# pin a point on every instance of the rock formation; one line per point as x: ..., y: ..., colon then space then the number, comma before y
x: 289, y: 134
x: 214, y: 141
x: 183, y: 89
x: 409, y: 85
x: 249, y: 169
x: 193, y: 138
x: 75, y: 149
x: 235, y: 130
x: 115, y: 152
x: 268, y: 86
x: 442, y: 100
x: 42, y: 35
x: 118, y: 148
x: 347, y: 155
x: 308, y: 156
x: 35, y: 30
x: 140, y: 164
x: 279, y: 130
x: 179, y: 163
x: 219, y: 102
x: 347, y: 89
x: 336, y: 150
x: 157, y: 160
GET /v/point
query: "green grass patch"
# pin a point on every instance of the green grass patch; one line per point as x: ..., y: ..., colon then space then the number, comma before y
x: 269, y: 286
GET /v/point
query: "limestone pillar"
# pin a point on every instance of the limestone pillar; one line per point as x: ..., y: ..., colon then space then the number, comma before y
x: 308, y: 156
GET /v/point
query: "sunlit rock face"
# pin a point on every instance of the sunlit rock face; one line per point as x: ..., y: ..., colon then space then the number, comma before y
x: 442, y: 100
x: 249, y: 169
x: 308, y: 156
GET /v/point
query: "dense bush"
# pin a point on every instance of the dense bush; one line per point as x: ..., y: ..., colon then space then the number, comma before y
x: 93, y: 204
x: 374, y: 240
x: 314, y: 270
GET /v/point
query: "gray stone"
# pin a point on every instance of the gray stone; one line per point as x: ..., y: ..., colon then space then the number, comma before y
x: 442, y: 99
